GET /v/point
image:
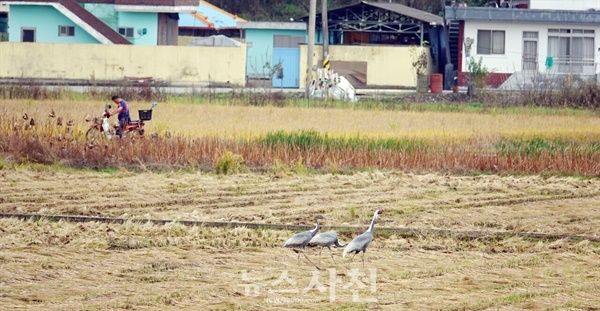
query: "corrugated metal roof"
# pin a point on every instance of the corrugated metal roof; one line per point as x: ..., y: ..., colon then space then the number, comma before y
x: 393, y: 7
x: 272, y: 25
x: 218, y: 40
x: 408, y: 11
x: 209, y: 16
x: 522, y: 15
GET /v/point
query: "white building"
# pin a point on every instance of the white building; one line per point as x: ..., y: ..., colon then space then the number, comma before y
x: 581, y: 5
x: 541, y: 38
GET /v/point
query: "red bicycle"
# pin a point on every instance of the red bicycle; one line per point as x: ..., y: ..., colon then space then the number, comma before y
x: 101, y: 129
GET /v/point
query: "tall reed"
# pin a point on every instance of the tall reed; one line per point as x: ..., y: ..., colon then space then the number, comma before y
x: 39, y: 144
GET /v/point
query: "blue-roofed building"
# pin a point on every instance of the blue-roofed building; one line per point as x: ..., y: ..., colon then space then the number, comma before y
x: 209, y: 20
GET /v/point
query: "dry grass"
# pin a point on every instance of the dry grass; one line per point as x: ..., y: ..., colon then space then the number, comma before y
x: 93, y: 266
x: 197, y: 120
x: 527, y: 141
x: 424, y: 201
x: 48, y: 265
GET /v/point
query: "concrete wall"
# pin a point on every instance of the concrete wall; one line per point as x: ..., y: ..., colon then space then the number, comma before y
x: 116, y: 62
x: 45, y: 19
x: 386, y: 65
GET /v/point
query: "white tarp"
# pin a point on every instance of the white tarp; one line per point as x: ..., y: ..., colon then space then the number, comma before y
x: 343, y: 90
x: 331, y: 84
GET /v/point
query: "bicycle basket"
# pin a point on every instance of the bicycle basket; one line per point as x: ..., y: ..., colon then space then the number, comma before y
x: 145, y: 115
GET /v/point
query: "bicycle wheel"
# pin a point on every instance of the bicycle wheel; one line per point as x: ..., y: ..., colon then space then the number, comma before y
x: 94, y: 136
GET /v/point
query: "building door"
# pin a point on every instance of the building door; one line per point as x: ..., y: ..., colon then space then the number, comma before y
x: 27, y: 34
x: 287, y: 61
x: 530, y: 51
x: 286, y: 57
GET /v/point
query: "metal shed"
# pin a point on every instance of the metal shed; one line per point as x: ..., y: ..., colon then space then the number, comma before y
x: 217, y: 40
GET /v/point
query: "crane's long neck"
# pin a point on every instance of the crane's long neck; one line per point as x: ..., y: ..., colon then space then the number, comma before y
x: 372, y: 226
x: 314, y: 231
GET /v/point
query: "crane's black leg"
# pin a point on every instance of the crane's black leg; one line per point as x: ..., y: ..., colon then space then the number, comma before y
x: 297, y: 252
x: 320, y: 255
x: 331, y: 253
x: 363, y: 259
x: 304, y: 252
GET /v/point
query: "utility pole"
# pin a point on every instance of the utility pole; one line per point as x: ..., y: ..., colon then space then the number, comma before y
x: 325, y: 34
x: 311, y: 44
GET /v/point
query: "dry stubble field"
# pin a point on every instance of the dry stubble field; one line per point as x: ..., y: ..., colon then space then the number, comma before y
x: 47, y: 265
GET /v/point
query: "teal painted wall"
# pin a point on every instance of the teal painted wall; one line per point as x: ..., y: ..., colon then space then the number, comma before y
x: 45, y: 19
x: 140, y: 21
x: 261, y: 51
x: 104, y: 12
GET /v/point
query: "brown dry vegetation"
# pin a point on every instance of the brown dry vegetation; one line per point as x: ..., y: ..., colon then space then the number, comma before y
x: 57, y: 265
x: 98, y: 266
x: 333, y: 140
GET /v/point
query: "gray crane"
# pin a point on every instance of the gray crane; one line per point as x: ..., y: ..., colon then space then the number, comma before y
x: 325, y: 239
x: 361, y: 242
x: 299, y: 241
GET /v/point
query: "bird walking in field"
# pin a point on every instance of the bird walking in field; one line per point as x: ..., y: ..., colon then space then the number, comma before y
x: 299, y: 241
x: 361, y: 242
x: 325, y: 239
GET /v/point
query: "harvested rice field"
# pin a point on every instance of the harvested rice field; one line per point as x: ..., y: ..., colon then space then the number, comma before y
x: 49, y: 264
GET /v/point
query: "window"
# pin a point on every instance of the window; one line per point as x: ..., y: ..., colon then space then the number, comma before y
x: 490, y: 42
x: 66, y: 31
x: 572, y: 50
x: 27, y: 34
x: 126, y: 32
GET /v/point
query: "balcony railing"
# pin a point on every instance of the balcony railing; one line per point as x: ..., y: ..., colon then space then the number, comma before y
x: 575, y: 65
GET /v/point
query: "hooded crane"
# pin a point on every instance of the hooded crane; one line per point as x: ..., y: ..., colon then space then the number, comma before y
x: 300, y: 240
x: 361, y: 242
x: 325, y: 239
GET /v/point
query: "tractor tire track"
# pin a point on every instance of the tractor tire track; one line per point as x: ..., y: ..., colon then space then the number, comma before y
x: 405, y: 231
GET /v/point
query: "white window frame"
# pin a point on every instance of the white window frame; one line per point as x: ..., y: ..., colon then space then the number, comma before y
x: 127, y: 32
x: 490, y: 47
x: 567, y: 60
x: 66, y: 31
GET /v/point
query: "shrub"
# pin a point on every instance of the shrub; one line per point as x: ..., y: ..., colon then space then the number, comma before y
x: 230, y: 163
x: 478, y: 72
